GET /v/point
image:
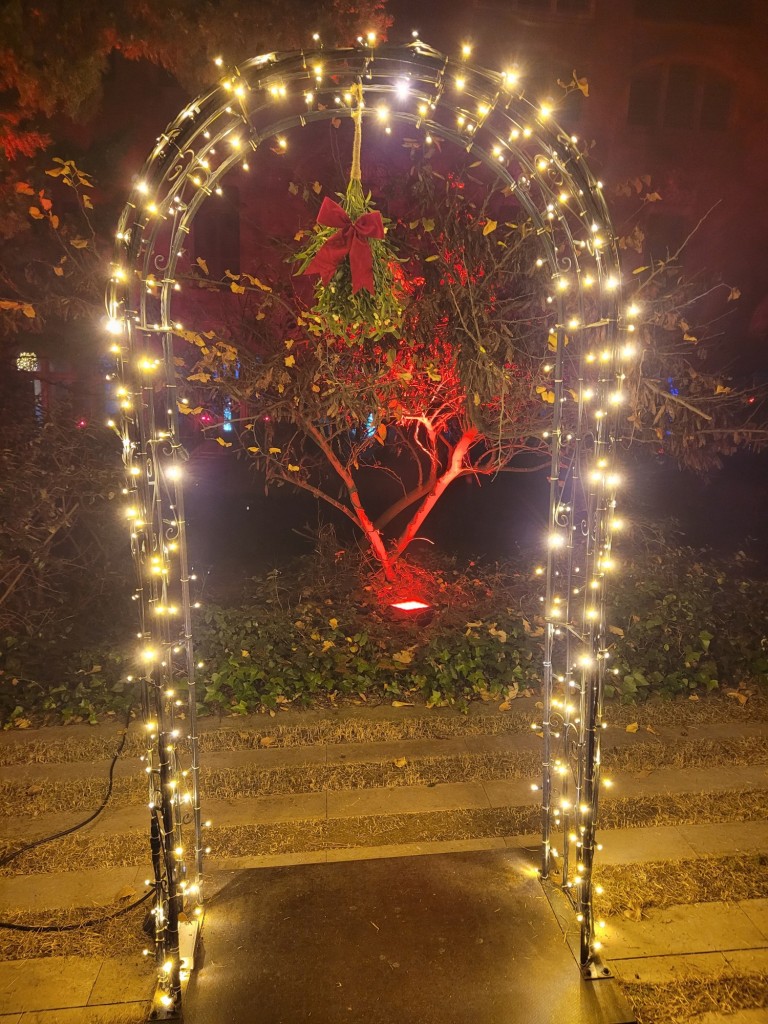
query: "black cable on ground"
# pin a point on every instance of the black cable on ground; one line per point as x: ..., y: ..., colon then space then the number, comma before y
x: 8, y: 857
x: 80, y: 924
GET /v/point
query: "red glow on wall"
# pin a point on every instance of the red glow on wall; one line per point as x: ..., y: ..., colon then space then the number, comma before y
x: 410, y: 606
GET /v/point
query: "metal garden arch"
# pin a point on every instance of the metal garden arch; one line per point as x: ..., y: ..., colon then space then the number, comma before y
x: 477, y: 110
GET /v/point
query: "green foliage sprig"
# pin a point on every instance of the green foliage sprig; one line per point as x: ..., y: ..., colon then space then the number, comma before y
x: 338, y: 310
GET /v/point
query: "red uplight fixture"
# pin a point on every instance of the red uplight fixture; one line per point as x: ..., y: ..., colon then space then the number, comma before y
x: 409, y: 606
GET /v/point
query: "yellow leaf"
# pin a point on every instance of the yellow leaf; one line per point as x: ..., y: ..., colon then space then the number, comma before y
x: 55, y: 171
x: 403, y: 657
x: 490, y: 225
x: 288, y: 343
x: 316, y: 389
x: 58, y: 271
x: 293, y: 469
x: 202, y: 264
x: 290, y: 360
x: 24, y: 188
x: 327, y: 645
x: 402, y: 703
x: 581, y: 84
x: 694, y: 697
x: 333, y: 623
x: 317, y: 188
x: 87, y: 202
x: 616, y: 630
x: 632, y: 727
x: 257, y: 284
x: 54, y: 221
x: 223, y: 443
x: 275, y: 451
x: 504, y: 706
x: 245, y: 654
x: 254, y: 448
x: 431, y: 259
x: 293, y: 188
x: 28, y: 310
x: 546, y: 394
x: 476, y: 399
x: 690, y: 337
x: 183, y: 409
x: 428, y: 223
x: 34, y: 212
x: 400, y: 762
x: 742, y: 698
x: 79, y: 243
x: 722, y: 390
x: 381, y: 432
x: 267, y: 741
x: 237, y: 288
x: 735, y: 293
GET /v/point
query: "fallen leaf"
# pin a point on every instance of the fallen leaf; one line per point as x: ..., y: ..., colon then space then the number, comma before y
x: 505, y: 706
x: 616, y: 630
x: 741, y: 697
x: 266, y: 741
x: 694, y: 697
x: 400, y: 762
x: 402, y: 703
x: 403, y: 657
x: 245, y: 654
x: 650, y: 729
x: 632, y: 727
x: 333, y: 623
x: 127, y: 892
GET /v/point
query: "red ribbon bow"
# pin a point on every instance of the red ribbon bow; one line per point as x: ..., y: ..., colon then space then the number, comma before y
x: 353, y: 238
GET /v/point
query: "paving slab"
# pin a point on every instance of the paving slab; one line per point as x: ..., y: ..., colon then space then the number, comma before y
x: 451, y: 939
x: 727, y: 838
x: 511, y: 793
x: 748, y: 961
x: 694, y: 928
x: 68, y: 888
x: 129, y: 979
x: 757, y: 912
x: 124, y: 1013
x: 661, y: 970
x: 343, y: 753
x: 51, y: 983
x: 445, y: 796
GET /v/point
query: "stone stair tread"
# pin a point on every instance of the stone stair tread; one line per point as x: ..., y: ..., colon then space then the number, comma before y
x: 691, y: 928
x: 73, y: 982
x: 622, y: 846
x: 497, y: 793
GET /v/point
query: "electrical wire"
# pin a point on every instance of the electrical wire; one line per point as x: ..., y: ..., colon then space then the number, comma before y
x: 18, y: 927
x: 8, y: 857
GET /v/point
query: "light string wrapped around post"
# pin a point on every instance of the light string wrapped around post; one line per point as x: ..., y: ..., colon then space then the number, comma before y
x: 247, y: 115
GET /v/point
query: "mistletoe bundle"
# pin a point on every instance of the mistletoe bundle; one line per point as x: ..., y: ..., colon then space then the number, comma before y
x: 355, y: 297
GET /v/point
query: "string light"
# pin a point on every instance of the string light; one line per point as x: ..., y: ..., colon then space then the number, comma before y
x: 572, y: 208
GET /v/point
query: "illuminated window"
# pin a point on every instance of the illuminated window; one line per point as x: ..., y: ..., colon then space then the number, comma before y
x: 679, y: 96
x: 28, y: 362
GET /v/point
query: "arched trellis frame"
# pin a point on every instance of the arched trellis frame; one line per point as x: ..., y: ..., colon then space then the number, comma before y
x: 487, y: 114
